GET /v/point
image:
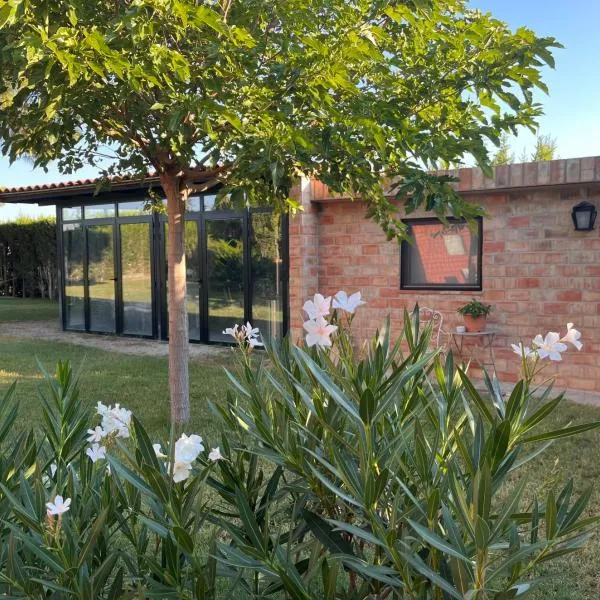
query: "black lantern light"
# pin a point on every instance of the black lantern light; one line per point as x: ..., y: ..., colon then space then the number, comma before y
x: 584, y: 216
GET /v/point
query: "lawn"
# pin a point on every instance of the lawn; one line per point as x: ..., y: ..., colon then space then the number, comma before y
x: 140, y: 383
x: 27, y: 309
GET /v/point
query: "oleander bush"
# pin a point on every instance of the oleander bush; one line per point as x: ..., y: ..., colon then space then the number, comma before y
x: 342, y: 473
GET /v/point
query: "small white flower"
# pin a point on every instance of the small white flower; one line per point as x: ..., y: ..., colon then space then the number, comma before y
x: 215, y: 454
x: 572, y: 337
x: 96, y: 452
x: 550, y: 346
x: 158, y: 451
x: 348, y: 304
x: 53, y: 469
x: 187, y: 448
x: 317, y: 307
x: 59, y: 506
x: 181, y: 471
x: 251, y: 334
x: 101, y: 409
x: 116, y: 420
x: 96, y: 435
x: 523, y: 351
x: 318, y: 332
x: 232, y: 331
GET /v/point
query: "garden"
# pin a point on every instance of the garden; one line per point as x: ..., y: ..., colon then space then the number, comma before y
x: 311, y: 471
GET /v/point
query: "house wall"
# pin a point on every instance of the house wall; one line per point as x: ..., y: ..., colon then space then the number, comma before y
x: 538, y: 273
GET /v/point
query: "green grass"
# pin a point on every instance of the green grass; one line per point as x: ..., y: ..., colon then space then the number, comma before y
x: 27, y: 309
x: 139, y: 383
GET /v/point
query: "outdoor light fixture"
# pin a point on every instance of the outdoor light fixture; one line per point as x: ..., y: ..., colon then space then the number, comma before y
x: 584, y: 216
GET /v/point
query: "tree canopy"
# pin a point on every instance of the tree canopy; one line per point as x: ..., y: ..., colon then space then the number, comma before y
x: 345, y: 91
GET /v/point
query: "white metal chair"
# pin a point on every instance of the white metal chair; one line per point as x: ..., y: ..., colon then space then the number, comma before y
x: 436, y: 319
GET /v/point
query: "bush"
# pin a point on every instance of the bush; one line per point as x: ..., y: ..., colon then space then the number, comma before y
x: 379, y: 473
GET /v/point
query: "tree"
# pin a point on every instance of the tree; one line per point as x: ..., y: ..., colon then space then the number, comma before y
x: 343, y: 91
x: 546, y: 148
x: 504, y: 154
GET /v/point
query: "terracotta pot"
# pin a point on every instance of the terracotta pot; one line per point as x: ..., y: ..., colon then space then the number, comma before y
x: 474, y: 324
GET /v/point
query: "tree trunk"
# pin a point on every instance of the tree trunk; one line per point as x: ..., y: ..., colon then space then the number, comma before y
x: 178, y: 320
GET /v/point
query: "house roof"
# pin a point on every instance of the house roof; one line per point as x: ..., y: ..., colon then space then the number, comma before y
x: 51, y: 193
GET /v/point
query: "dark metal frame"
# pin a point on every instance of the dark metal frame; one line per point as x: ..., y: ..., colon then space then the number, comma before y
x: 158, y: 260
x: 406, y: 247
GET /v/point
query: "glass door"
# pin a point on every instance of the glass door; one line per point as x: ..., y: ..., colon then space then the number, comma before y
x: 136, y: 278
x: 224, y: 251
x: 193, y: 279
x: 101, y: 278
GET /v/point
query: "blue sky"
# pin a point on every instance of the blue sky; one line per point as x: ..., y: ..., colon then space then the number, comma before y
x: 572, y: 110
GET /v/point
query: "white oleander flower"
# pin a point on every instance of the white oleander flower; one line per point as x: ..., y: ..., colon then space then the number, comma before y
x: 232, y: 331
x: 101, y: 409
x: 53, y: 469
x: 158, y: 451
x: 347, y: 303
x: 215, y: 454
x: 549, y: 346
x: 251, y: 334
x: 96, y: 435
x: 96, y: 452
x: 59, y: 506
x: 572, y: 337
x: 523, y: 351
x: 318, y: 332
x: 187, y: 448
x: 117, y: 420
x: 317, y: 307
x: 181, y: 471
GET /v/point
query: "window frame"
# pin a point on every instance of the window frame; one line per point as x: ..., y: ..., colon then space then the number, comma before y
x: 406, y: 246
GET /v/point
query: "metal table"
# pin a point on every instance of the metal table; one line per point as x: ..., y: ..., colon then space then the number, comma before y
x: 484, y: 340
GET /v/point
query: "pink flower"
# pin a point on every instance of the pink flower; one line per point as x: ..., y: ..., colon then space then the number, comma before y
x: 572, y: 337
x: 317, y: 307
x: 318, y: 331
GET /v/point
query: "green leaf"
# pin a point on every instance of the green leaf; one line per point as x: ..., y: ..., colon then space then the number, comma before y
x: 561, y: 433
x: 437, y: 542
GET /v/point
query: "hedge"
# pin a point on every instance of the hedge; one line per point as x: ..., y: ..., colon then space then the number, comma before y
x: 28, y: 258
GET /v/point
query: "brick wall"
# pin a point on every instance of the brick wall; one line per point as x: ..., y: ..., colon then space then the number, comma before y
x: 538, y: 273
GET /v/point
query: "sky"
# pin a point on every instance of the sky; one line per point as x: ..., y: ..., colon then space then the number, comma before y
x: 572, y: 109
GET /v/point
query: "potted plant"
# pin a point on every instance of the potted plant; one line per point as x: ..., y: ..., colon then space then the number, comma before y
x: 474, y: 314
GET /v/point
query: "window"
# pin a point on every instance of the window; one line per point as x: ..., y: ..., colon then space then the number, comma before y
x: 71, y: 213
x: 441, y: 256
x: 99, y: 211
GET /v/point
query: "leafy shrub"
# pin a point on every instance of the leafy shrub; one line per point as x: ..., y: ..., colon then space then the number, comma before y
x: 342, y: 473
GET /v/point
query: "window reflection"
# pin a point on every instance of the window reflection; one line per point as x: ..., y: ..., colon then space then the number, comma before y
x: 74, y: 249
x: 267, y: 274
x: 442, y: 255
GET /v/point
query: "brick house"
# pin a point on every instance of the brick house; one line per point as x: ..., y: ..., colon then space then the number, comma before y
x: 536, y: 270
x: 525, y: 258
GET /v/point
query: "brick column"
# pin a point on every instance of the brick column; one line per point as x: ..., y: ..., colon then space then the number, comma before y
x: 304, y: 254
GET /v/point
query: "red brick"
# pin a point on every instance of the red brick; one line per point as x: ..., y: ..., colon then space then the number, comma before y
x: 569, y: 296
x: 528, y: 282
x: 519, y: 221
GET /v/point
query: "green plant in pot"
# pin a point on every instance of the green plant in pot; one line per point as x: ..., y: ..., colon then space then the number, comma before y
x: 475, y: 314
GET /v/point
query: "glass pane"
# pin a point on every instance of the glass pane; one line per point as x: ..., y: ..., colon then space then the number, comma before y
x: 74, y: 249
x: 71, y: 213
x: 136, y: 279
x: 133, y: 209
x: 194, y: 285
x: 209, y: 202
x: 100, y: 211
x: 442, y: 255
x: 267, y: 275
x: 225, y: 264
x: 101, y: 278
x: 193, y: 204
